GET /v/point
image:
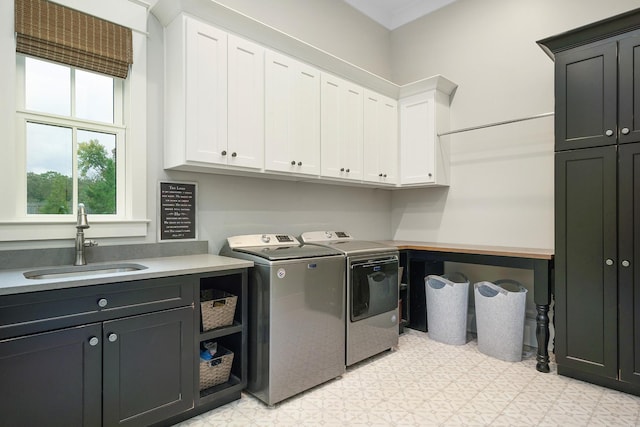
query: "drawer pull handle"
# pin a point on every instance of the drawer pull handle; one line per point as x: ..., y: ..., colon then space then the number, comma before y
x: 102, y: 302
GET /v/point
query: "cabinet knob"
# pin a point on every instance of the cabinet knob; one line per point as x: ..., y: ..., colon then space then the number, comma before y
x: 380, y: 175
x: 102, y: 302
x: 626, y: 263
x: 112, y: 337
x: 224, y: 152
x: 625, y: 131
x: 299, y: 163
x: 341, y: 169
x: 608, y: 132
x: 384, y: 175
x: 430, y: 174
x: 348, y: 170
x: 293, y: 162
x: 93, y: 341
x: 609, y: 261
x: 234, y: 154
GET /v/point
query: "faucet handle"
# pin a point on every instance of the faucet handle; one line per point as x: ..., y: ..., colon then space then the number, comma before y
x: 90, y: 243
x: 82, y: 217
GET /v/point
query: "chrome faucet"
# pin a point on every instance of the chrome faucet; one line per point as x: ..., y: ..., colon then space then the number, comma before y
x: 81, y: 225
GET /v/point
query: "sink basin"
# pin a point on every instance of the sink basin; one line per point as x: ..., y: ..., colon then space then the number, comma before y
x: 82, y: 270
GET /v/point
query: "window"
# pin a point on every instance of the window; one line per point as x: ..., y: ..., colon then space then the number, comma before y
x: 57, y: 154
x: 73, y: 131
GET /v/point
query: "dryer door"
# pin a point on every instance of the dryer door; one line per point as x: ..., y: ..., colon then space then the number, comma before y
x: 374, y: 287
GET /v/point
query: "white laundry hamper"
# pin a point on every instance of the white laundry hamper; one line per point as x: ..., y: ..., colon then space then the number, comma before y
x: 447, y: 304
x: 500, y: 312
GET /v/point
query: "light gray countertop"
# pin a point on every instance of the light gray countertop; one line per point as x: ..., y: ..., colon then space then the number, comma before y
x: 12, y: 281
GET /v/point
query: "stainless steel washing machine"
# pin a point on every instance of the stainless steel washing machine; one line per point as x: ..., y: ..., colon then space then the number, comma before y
x: 296, y: 316
x: 371, y: 275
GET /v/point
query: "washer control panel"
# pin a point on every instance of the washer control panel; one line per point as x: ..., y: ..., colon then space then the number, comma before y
x: 325, y: 236
x: 250, y: 240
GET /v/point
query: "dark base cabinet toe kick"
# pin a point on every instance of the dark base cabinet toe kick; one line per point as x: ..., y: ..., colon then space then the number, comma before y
x: 422, y: 259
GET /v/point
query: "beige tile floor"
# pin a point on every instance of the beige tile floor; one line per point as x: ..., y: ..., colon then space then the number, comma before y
x: 426, y: 383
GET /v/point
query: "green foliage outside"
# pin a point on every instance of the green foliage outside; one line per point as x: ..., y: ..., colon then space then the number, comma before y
x: 52, y: 193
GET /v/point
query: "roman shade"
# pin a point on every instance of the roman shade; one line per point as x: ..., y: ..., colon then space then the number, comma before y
x: 57, y: 33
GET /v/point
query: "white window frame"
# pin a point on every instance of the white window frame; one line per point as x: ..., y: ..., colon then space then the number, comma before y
x: 131, y: 219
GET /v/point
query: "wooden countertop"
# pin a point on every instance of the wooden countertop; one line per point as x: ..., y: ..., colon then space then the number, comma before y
x: 536, y: 253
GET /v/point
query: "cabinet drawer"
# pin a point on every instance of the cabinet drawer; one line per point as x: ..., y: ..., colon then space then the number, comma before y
x: 46, y: 310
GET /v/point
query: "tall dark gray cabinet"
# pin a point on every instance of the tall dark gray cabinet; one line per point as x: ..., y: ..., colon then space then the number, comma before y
x: 597, y: 201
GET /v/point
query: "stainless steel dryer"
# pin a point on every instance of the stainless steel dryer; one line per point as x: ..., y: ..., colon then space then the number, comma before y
x: 372, y: 292
x: 296, y: 316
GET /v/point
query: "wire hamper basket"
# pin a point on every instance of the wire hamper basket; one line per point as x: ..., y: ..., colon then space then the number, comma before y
x: 217, y: 308
x: 217, y: 370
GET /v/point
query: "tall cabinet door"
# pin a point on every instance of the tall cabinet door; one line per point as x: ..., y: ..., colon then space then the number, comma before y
x: 341, y: 128
x: 52, y: 379
x: 380, y: 157
x: 586, y: 267
x: 586, y: 93
x: 629, y: 88
x: 206, y: 82
x: 246, y: 104
x: 292, y: 115
x: 629, y: 258
x: 148, y: 367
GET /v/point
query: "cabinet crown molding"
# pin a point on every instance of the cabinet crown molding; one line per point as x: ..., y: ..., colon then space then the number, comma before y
x: 233, y: 21
x: 609, y: 27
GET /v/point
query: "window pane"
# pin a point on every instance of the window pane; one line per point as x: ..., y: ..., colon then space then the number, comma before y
x: 49, y: 169
x: 97, y: 171
x: 94, y: 96
x: 47, y: 87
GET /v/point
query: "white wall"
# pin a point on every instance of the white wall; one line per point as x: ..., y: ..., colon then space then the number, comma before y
x: 501, y: 177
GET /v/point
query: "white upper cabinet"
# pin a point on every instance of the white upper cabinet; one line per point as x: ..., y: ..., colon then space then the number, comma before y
x: 342, y: 129
x: 380, y: 139
x: 292, y: 116
x: 214, y: 112
x: 424, y: 157
x: 246, y: 104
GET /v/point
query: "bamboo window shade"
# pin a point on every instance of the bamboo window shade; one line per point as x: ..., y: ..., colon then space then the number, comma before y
x: 57, y: 33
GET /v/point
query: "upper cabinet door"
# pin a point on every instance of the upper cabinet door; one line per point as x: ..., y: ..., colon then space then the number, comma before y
x: 292, y: 115
x: 246, y: 104
x: 629, y: 89
x: 586, y: 97
x: 380, y: 164
x: 341, y: 128
x: 206, y: 93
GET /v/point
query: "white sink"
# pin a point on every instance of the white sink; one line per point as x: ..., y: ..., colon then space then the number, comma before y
x: 82, y: 270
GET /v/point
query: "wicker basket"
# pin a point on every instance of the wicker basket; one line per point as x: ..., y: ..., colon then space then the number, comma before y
x: 217, y: 370
x: 218, y: 310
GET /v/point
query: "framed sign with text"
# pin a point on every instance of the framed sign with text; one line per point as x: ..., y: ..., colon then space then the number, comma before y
x: 178, y: 208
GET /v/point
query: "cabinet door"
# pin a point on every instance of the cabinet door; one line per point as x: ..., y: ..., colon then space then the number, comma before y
x: 342, y: 129
x: 292, y: 116
x: 586, y: 97
x: 148, y: 367
x: 418, y: 139
x: 206, y: 93
x: 52, y: 379
x: 629, y: 258
x: 380, y: 156
x: 629, y: 89
x: 586, y: 271
x: 246, y: 104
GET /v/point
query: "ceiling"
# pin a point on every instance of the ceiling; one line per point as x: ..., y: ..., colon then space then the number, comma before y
x: 395, y: 13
